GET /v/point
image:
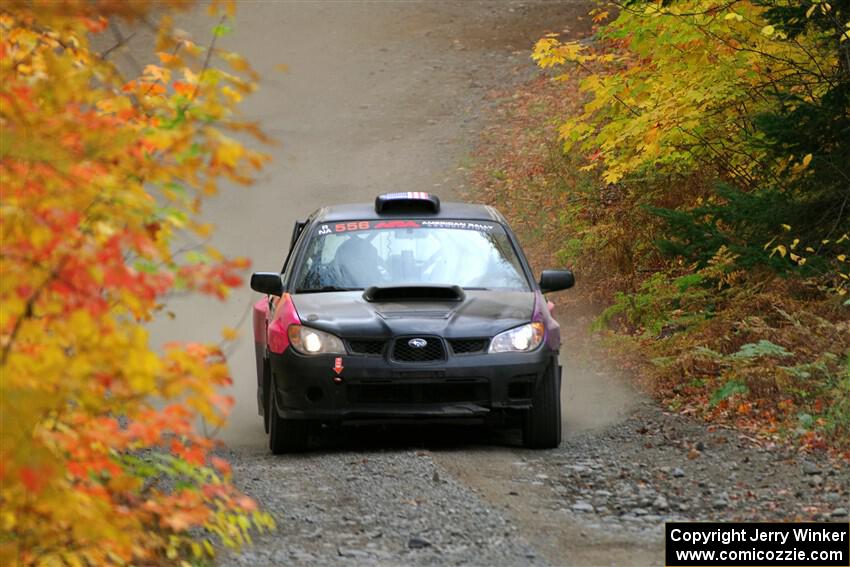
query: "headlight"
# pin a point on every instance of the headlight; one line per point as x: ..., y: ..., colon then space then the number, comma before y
x: 313, y: 341
x: 519, y: 339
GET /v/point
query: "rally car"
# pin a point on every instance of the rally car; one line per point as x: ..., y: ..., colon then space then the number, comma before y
x: 406, y: 309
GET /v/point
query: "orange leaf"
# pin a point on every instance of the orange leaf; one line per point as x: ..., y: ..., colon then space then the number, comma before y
x: 33, y: 479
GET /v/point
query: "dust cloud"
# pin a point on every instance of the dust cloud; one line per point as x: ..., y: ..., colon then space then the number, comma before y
x: 592, y: 398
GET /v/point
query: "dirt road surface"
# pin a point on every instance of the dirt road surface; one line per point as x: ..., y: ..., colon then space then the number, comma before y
x: 390, y: 96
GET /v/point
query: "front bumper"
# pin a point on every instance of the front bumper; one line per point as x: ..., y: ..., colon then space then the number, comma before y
x: 478, y: 386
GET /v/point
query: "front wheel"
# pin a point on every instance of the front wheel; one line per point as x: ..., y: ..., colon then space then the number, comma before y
x: 285, y: 435
x: 541, y: 427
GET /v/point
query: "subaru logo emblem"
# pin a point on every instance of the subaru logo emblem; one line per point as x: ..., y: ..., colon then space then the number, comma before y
x: 417, y: 343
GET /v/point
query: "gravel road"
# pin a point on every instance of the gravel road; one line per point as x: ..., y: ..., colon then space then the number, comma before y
x: 385, y: 96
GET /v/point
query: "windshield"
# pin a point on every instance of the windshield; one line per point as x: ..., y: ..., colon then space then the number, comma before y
x: 359, y: 254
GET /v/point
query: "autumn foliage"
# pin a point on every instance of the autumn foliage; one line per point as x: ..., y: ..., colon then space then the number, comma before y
x: 690, y: 161
x: 747, y: 103
x: 721, y: 129
x: 102, y: 179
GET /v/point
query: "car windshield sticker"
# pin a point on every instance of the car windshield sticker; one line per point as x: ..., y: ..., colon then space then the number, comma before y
x: 397, y: 224
x: 353, y: 226
x: 462, y: 225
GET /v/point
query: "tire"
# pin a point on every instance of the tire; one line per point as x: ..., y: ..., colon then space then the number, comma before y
x: 285, y: 435
x: 541, y: 428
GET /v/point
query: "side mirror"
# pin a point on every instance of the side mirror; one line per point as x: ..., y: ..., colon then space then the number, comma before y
x: 556, y: 280
x: 267, y: 282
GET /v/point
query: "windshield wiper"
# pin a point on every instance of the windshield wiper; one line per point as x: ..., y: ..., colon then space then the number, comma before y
x: 326, y: 288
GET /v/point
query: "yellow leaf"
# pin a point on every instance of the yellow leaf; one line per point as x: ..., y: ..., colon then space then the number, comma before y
x: 232, y: 94
x: 229, y: 153
x: 7, y: 519
x: 768, y: 30
x: 601, y: 16
x: 157, y: 73
x: 238, y: 63
x: 766, y: 246
x: 781, y: 249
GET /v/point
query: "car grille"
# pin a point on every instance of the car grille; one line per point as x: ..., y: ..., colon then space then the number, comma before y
x: 369, y: 347
x: 446, y: 392
x: 468, y: 346
x: 433, y: 351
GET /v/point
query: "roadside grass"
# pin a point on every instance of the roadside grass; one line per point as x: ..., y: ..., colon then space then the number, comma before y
x: 767, y: 354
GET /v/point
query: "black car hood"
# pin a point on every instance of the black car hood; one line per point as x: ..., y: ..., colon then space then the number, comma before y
x: 480, y: 314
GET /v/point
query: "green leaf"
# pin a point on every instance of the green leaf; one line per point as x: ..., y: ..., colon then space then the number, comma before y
x: 146, y: 266
x: 684, y: 282
x: 761, y: 348
x: 729, y: 389
x: 705, y: 351
x: 221, y: 30
x: 663, y: 361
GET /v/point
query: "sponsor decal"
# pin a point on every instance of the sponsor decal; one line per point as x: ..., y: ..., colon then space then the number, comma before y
x: 352, y: 226
x: 398, y: 224
x: 462, y: 225
x: 338, y: 367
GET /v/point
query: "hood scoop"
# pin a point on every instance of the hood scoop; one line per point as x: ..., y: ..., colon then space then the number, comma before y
x: 405, y: 293
x: 414, y: 314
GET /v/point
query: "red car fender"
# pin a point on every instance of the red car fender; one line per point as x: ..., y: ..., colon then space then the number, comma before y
x: 284, y: 316
x: 261, y: 317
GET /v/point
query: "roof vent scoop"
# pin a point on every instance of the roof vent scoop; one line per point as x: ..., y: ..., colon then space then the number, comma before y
x: 409, y: 202
x: 376, y: 294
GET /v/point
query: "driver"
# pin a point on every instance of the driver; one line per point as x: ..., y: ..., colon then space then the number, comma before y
x: 357, y: 261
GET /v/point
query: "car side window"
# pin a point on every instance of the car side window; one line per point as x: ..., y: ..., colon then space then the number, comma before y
x: 286, y: 270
